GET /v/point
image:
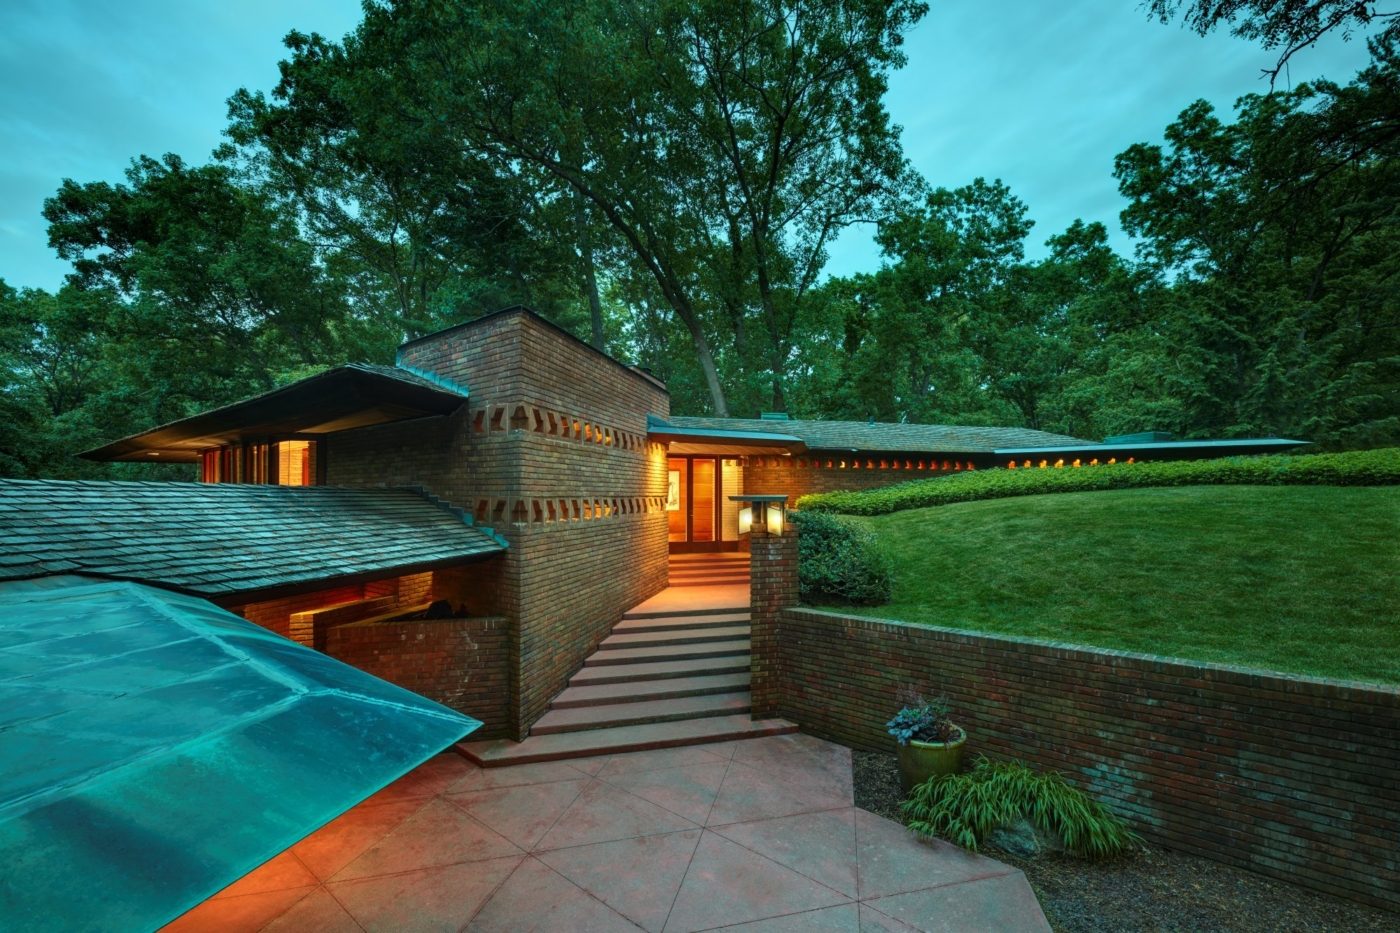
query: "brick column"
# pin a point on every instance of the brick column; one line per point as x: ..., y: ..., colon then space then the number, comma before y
x: 772, y: 587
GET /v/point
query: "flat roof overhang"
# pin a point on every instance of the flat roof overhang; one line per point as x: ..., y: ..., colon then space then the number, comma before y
x: 1183, y: 450
x: 715, y: 441
x: 336, y: 400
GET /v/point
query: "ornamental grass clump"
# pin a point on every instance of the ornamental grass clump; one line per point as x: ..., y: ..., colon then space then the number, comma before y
x: 964, y: 808
x: 1354, y: 468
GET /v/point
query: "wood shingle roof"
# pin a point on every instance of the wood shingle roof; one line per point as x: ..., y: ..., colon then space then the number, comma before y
x: 220, y: 540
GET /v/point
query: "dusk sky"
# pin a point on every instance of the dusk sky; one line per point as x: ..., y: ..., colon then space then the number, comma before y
x: 1041, y: 95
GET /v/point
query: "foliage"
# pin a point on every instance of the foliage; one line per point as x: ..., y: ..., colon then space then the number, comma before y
x: 1290, y: 25
x: 711, y: 149
x: 665, y: 179
x: 1300, y: 579
x: 1355, y: 468
x: 840, y: 561
x: 963, y: 808
x: 923, y: 721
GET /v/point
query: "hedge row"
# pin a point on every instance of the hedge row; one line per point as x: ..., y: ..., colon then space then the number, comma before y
x: 1356, y: 468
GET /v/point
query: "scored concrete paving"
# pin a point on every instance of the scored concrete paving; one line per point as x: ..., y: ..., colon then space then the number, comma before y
x: 757, y: 835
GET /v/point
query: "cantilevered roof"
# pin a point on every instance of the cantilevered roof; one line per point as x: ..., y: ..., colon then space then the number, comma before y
x: 351, y: 396
x: 691, y: 439
x: 154, y: 749
x: 893, y: 438
x: 223, y: 540
x: 1181, y: 450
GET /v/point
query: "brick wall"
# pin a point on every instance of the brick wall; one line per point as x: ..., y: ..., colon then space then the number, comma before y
x: 276, y: 614
x: 1293, y: 777
x: 551, y: 452
x: 773, y: 586
x: 461, y: 663
x: 803, y: 475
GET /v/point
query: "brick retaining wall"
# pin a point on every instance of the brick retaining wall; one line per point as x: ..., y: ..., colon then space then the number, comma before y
x: 461, y: 663
x: 1297, y: 778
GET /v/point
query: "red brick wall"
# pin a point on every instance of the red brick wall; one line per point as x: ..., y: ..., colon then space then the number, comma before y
x: 803, y: 475
x: 1293, y: 777
x: 773, y: 586
x: 551, y: 452
x: 276, y: 614
x: 461, y: 663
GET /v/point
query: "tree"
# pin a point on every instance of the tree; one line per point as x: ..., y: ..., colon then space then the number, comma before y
x: 720, y: 143
x: 1287, y: 25
x: 1279, y: 234
x: 215, y: 295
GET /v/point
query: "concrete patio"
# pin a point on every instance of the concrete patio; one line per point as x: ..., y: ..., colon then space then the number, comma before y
x: 758, y: 835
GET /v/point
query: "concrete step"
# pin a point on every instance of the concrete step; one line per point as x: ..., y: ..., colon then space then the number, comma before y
x: 677, y: 636
x: 683, y: 613
x: 717, y: 649
x: 702, y: 569
x: 707, y: 570
x: 638, y: 690
x: 698, y: 583
x: 679, y: 623
x: 737, y: 557
x: 560, y: 746
x: 659, y: 670
x: 584, y: 718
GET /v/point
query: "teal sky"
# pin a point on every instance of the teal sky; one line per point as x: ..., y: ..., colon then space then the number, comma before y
x: 1040, y: 94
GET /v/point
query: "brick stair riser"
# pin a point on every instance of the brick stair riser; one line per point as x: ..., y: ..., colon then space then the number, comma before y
x: 698, y: 652
x: 632, y: 615
x: 618, y: 674
x: 662, y: 735
x: 666, y: 639
x: 702, y: 583
x: 635, y: 691
x: 642, y: 718
x: 645, y: 626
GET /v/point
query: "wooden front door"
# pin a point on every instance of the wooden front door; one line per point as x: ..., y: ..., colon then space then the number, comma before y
x: 694, y: 502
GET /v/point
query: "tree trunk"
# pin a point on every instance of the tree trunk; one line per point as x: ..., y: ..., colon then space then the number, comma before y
x: 707, y: 359
x: 590, y: 275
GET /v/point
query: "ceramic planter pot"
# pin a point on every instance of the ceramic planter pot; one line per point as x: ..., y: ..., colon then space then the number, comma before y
x: 919, y: 761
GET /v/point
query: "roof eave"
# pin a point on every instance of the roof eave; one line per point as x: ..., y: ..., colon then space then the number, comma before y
x: 292, y: 409
x: 1264, y: 444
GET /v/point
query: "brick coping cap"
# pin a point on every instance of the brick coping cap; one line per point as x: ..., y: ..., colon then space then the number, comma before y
x: 1309, y: 683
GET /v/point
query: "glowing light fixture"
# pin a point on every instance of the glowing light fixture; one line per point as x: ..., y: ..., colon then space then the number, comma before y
x: 767, y: 511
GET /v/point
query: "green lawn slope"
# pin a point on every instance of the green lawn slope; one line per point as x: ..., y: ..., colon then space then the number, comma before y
x: 1301, y: 579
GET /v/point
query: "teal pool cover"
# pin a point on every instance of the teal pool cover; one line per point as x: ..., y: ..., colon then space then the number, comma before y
x: 155, y: 748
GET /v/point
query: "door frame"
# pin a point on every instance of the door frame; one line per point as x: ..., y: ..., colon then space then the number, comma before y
x: 689, y: 546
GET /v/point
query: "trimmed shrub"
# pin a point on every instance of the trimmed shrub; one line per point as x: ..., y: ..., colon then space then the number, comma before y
x: 839, y: 561
x: 964, y: 808
x: 1356, y: 468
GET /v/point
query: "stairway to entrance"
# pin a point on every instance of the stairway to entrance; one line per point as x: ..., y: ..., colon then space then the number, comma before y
x: 674, y: 671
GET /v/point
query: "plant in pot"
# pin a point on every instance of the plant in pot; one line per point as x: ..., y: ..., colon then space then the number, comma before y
x: 930, y: 744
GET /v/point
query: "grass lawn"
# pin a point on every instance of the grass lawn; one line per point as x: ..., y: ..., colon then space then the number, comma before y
x: 1304, y: 579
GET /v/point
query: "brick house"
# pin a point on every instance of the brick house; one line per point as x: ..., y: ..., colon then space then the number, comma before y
x: 504, y: 474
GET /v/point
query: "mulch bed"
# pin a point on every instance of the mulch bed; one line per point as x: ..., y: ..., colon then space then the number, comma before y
x: 1157, y: 890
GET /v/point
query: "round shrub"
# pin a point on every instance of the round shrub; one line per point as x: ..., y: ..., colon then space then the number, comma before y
x: 839, y: 561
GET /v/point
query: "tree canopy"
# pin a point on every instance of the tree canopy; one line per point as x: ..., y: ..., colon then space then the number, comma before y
x: 664, y: 179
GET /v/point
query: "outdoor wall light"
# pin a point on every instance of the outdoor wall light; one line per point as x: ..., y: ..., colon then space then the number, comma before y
x: 770, y: 511
x: 775, y: 519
